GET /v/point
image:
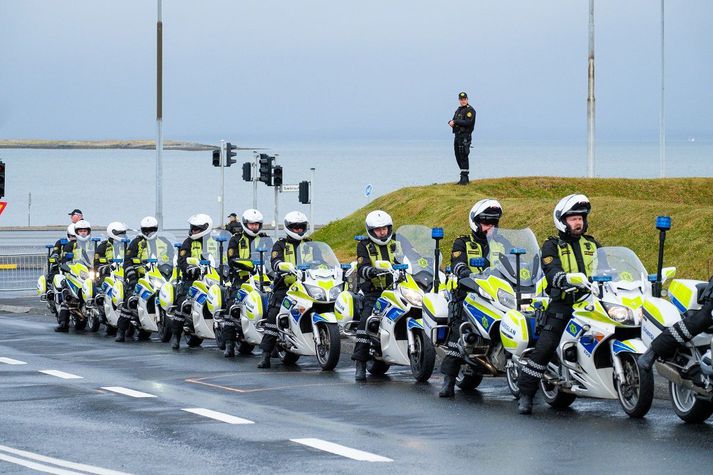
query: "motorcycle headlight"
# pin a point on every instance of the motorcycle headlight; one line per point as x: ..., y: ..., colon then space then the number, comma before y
x: 84, y: 275
x: 506, y: 299
x: 335, y: 291
x: 412, y: 296
x: 619, y: 313
x: 93, y: 275
x: 156, y: 282
x: 316, y: 292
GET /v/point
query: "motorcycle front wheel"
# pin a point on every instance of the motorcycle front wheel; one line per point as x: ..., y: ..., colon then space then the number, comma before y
x: 512, y: 373
x: 423, y: 358
x: 330, y: 348
x: 687, y: 405
x: 94, y: 321
x: 219, y: 340
x: 377, y: 367
x: 636, y: 392
x: 165, y: 333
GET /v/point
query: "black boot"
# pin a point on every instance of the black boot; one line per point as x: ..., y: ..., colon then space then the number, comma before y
x: 229, y: 349
x: 360, y: 374
x: 463, y: 179
x: 265, y: 361
x: 646, y: 361
x: 524, y: 406
x: 176, y: 345
x: 449, y: 387
x: 63, y: 320
x: 120, y: 335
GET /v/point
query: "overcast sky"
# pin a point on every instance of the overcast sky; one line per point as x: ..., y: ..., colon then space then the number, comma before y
x: 311, y: 69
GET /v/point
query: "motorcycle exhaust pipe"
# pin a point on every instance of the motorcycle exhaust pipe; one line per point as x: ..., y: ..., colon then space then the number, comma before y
x: 669, y: 372
x: 487, y: 365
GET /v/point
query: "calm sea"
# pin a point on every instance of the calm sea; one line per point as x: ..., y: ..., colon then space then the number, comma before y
x: 113, y: 185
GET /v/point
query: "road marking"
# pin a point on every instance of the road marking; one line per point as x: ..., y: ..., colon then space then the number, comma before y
x: 337, y: 449
x: 202, y: 381
x: 55, y: 461
x: 218, y: 416
x: 60, y: 374
x: 127, y: 391
x: 11, y: 361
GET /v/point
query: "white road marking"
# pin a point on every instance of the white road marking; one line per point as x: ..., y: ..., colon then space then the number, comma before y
x: 55, y: 461
x: 10, y: 361
x: 60, y: 374
x: 127, y: 391
x: 218, y: 416
x: 342, y: 450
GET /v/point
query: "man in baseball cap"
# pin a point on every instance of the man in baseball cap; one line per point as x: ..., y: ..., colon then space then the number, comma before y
x: 76, y: 215
x: 463, y: 123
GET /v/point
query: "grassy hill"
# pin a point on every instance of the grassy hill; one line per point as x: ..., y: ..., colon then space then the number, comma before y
x: 623, y: 214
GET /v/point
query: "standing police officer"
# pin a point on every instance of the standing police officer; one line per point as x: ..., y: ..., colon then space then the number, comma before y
x: 571, y: 252
x: 284, y: 260
x: 483, y: 218
x: 379, y: 247
x: 463, y: 123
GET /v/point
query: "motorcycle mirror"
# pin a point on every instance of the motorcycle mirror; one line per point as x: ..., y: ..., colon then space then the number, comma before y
x: 437, y: 233
x: 518, y: 251
x: 477, y: 262
x: 602, y: 278
x: 400, y: 266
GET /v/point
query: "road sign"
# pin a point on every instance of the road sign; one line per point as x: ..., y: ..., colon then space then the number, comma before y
x: 3, y: 204
x: 368, y: 190
x: 291, y: 188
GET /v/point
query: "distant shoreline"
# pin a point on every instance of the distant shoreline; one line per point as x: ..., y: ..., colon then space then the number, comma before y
x: 103, y: 144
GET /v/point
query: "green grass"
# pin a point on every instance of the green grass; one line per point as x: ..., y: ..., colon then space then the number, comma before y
x: 623, y: 214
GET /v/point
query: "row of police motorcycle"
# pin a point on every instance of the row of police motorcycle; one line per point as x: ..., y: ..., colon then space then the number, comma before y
x: 612, y: 324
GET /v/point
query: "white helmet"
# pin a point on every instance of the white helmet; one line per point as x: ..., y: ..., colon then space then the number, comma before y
x: 487, y: 211
x: 116, y: 230
x: 294, y: 220
x: 572, y: 205
x: 251, y: 216
x: 70, y: 232
x: 379, y: 219
x: 82, y: 225
x: 200, y: 226
x: 149, y: 227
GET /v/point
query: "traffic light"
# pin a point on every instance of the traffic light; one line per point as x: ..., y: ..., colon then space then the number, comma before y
x: 229, y: 154
x: 277, y: 175
x: 247, y: 171
x: 2, y: 179
x: 216, y: 157
x: 266, y: 168
x: 304, y: 197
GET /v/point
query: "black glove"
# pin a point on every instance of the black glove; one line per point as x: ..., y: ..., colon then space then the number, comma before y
x: 463, y: 272
x: 193, y: 272
x: 131, y: 275
x: 372, y: 272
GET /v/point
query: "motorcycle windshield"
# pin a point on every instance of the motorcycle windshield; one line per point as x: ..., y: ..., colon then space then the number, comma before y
x: 212, y: 246
x: 621, y: 264
x: 119, y: 246
x: 264, y: 244
x: 416, y: 248
x: 161, y: 248
x: 84, y: 252
x: 316, y: 255
x: 502, y: 242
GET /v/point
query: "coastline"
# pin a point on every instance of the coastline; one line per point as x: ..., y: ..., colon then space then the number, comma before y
x: 103, y: 144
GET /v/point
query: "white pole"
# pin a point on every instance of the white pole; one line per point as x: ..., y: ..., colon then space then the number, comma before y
x: 311, y: 203
x: 254, y: 177
x: 223, y: 161
x: 590, y: 95
x: 662, y: 120
x: 159, y: 117
x: 277, y: 194
x: 29, y: 207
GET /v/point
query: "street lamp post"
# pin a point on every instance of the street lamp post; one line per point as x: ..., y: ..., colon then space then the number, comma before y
x: 662, y: 120
x: 590, y: 95
x: 159, y: 117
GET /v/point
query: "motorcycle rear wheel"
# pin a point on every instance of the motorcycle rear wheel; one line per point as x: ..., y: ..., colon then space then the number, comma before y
x: 423, y: 359
x: 94, y: 322
x: 245, y: 348
x: 328, y: 352
x: 467, y: 380
x: 193, y: 341
x: 288, y: 358
x: 377, y: 367
x: 144, y: 335
x: 80, y: 325
x: 687, y: 405
x: 219, y: 340
x: 554, y: 397
x: 636, y: 393
x: 512, y: 373
x: 165, y: 333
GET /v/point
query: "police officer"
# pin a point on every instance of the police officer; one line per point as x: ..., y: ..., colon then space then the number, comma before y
x: 483, y: 218
x: 564, y: 259
x: 82, y: 232
x: 240, y: 249
x: 55, y: 258
x: 233, y: 225
x: 683, y: 331
x: 463, y: 123
x: 199, y: 226
x: 115, y: 232
x: 136, y: 253
x: 284, y: 260
x: 372, y: 281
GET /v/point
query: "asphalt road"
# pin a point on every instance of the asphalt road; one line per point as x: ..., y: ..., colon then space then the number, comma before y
x: 287, y: 419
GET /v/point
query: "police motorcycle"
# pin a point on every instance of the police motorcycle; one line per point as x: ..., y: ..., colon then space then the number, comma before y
x: 112, y: 287
x: 598, y: 352
x: 160, y: 267
x: 396, y: 325
x: 506, y: 288
x: 205, y: 296
x: 50, y: 292
x: 250, y: 302
x: 75, y: 282
x: 306, y: 323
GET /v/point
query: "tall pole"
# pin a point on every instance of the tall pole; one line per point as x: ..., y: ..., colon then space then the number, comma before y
x: 223, y: 161
x: 662, y: 120
x: 590, y: 95
x: 311, y: 203
x: 254, y: 176
x: 159, y: 117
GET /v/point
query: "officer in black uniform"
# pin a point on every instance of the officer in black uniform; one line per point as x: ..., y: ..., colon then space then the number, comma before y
x: 233, y: 225
x: 105, y: 250
x: 665, y: 345
x: 284, y: 260
x: 240, y: 249
x: 463, y: 123
x: 372, y: 281
x: 55, y: 259
x: 564, y: 259
x: 484, y: 216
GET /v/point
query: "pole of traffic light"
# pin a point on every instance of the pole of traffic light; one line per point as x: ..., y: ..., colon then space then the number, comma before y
x: 159, y: 118
x: 311, y: 203
x: 255, y: 177
x: 222, y: 179
x: 277, y: 194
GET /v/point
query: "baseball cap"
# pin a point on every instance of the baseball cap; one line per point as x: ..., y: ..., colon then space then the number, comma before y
x: 75, y: 211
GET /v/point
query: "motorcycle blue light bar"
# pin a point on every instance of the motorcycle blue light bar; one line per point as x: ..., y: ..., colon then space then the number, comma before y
x: 177, y: 245
x: 151, y: 260
x: 261, y: 249
x: 437, y: 233
x: 400, y: 266
x: 360, y: 237
x: 602, y: 278
x: 518, y: 251
x: 63, y: 241
x: 96, y: 239
x: 126, y: 240
x: 256, y: 262
x: 651, y: 277
x: 477, y: 262
x: 663, y: 223
x: 204, y: 262
x: 303, y: 266
x: 49, y: 246
x: 346, y: 266
x: 221, y: 238
x: 116, y: 261
x: 69, y: 255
